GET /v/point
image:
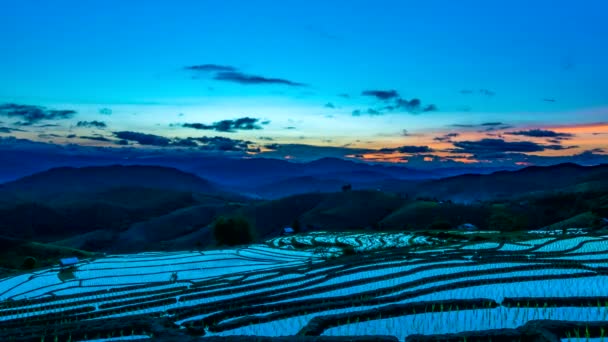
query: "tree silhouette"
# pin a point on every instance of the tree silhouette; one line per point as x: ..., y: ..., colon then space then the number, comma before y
x: 233, y: 231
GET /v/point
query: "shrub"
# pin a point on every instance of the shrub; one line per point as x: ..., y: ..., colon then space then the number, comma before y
x: 232, y: 231
x: 440, y: 225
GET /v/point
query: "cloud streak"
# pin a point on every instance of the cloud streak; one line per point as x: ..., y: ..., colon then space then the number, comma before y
x: 541, y: 133
x: 248, y: 79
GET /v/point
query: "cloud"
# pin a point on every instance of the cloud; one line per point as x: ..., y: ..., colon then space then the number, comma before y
x: 105, y: 111
x: 381, y: 94
x: 225, y: 144
x: 414, y: 106
x: 95, y: 137
x: 491, y: 124
x: 71, y: 136
x: 356, y: 112
x: 430, y: 108
x: 92, y: 124
x: 245, y: 124
x: 487, y: 146
x: 487, y: 92
x: 33, y: 114
x: 407, y: 149
x: 329, y: 105
x: 290, y: 127
x: 446, y: 137
x: 242, y: 78
x: 10, y: 130
x: 143, y: 138
x: 549, y: 100
x: 48, y: 136
x: 211, y: 68
x: 344, y: 95
x: 540, y: 133
x: 266, y: 138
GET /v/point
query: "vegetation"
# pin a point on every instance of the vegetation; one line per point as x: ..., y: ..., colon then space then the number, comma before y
x: 233, y: 231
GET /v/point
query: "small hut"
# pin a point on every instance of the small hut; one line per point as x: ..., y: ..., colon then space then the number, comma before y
x: 68, y: 262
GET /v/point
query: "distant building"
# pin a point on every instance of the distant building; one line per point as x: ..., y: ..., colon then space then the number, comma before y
x: 68, y: 262
x: 288, y: 231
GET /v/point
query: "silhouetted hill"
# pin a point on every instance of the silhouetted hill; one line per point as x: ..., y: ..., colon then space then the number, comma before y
x: 506, y: 184
x: 98, y: 178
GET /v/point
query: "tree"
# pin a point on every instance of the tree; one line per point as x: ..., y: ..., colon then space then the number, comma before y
x: 233, y: 231
x: 296, y: 225
x: 29, y: 263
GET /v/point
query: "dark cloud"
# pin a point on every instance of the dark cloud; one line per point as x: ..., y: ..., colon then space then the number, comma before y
x: 356, y: 112
x: 211, y: 68
x: 463, y: 125
x: 486, y: 146
x: 381, y: 94
x: 216, y: 144
x: 230, y: 126
x: 541, y: 133
x: 372, y: 111
x: 290, y: 127
x: 242, y: 78
x: 407, y: 149
x: 413, y: 106
x: 71, y: 136
x: 446, y: 137
x: 143, y: 138
x: 329, y: 105
x: 491, y: 124
x: 466, y: 91
x: 549, y: 100
x: 105, y: 111
x: 95, y: 137
x: 266, y: 138
x: 344, y: 95
x: 33, y: 114
x: 92, y: 124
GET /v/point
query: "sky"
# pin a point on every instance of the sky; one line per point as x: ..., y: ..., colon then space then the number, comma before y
x: 428, y: 83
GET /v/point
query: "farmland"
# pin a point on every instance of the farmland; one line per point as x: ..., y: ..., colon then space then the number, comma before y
x: 396, y: 285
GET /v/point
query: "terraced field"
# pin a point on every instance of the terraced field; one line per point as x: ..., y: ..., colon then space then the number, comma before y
x: 398, y: 286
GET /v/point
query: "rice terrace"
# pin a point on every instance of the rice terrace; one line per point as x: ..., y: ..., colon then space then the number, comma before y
x: 304, y: 171
x: 387, y: 286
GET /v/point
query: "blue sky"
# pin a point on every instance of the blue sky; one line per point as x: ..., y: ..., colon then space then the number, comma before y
x: 530, y: 65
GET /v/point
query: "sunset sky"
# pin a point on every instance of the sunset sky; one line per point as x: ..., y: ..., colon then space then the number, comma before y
x: 420, y: 82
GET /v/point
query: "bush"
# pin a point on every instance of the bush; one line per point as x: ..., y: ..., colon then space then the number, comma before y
x: 232, y: 231
x: 29, y: 263
x: 440, y: 225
